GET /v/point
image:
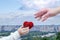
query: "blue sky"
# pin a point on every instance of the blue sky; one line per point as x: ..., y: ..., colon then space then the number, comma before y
x: 15, y: 12
x: 7, y: 6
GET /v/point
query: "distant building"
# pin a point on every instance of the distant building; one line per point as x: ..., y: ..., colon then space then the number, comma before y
x: 42, y: 28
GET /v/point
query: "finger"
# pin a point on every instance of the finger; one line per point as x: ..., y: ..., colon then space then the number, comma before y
x: 44, y: 17
x: 40, y: 13
x: 27, y: 27
x: 37, y: 15
x: 25, y: 31
x: 38, y: 18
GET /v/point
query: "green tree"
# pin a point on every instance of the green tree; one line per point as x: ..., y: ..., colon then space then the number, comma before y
x: 58, y: 36
x: 45, y: 38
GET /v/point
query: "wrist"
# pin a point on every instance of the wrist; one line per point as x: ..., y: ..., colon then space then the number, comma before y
x: 58, y: 10
x: 16, y: 35
x: 19, y: 32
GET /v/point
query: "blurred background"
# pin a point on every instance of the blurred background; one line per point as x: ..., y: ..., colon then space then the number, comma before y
x: 14, y: 12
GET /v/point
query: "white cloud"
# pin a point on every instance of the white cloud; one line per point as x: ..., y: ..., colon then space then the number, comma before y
x: 19, y: 16
x: 38, y: 4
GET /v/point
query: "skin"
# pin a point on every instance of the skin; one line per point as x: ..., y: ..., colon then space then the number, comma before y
x: 43, y: 14
x: 23, y: 31
x: 46, y: 13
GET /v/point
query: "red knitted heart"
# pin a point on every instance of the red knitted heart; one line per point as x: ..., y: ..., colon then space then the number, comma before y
x: 28, y: 24
x: 25, y: 24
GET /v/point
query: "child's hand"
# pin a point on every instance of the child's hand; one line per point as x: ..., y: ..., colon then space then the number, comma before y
x: 46, y: 13
x: 23, y: 31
